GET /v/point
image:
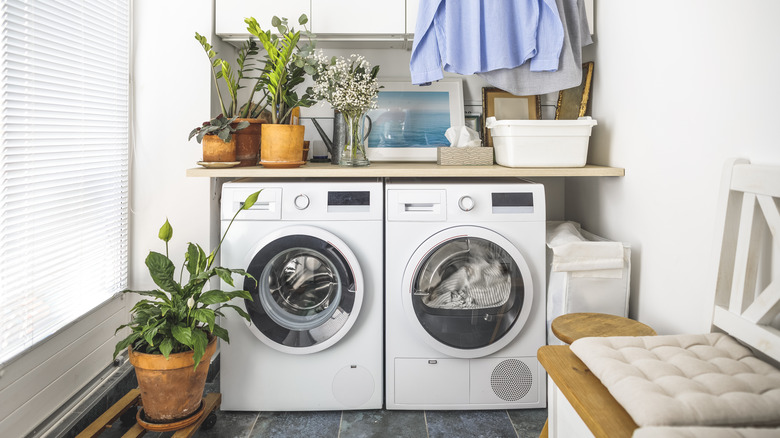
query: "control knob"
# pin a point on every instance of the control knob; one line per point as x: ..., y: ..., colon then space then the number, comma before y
x: 301, y: 202
x: 466, y: 203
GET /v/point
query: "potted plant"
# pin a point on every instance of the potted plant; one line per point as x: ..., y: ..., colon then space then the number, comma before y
x: 173, y: 332
x: 285, y: 69
x: 216, y: 135
x: 251, y: 112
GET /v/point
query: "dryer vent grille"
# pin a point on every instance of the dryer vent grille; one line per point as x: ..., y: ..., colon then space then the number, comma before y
x: 511, y: 380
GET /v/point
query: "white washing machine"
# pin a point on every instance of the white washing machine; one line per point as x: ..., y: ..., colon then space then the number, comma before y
x: 315, y: 337
x: 465, y: 300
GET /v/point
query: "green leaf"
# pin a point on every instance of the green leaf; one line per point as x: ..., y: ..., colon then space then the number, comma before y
x: 238, y: 310
x: 150, y: 334
x: 161, y: 269
x: 225, y: 275
x: 214, y: 297
x: 240, y: 294
x: 221, y: 333
x: 124, y: 343
x: 205, y: 316
x: 166, y: 346
x: 203, y: 260
x: 192, y: 259
x: 276, y: 22
x: 166, y: 231
x: 199, y: 341
x: 152, y: 293
x: 182, y: 334
x: 224, y: 135
x: 303, y: 19
x: 250, y: 200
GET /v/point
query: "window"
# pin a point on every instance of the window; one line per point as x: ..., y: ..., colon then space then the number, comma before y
x: 64, y: 132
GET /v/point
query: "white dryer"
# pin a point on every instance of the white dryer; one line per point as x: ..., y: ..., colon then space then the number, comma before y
x: 315, y: 337
x: 465, y: 300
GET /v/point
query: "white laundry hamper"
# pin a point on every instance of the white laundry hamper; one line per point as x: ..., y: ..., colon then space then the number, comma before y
x: 585, y: 273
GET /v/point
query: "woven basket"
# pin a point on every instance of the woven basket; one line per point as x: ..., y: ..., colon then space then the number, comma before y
x: 467, y: 156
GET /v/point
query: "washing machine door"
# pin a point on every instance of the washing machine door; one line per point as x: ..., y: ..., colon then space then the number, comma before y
x: 308, y: 289
x: 467, y: 291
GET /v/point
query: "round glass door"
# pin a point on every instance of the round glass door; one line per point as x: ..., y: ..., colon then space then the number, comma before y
x: 468, y: 291
x: 307, y: 292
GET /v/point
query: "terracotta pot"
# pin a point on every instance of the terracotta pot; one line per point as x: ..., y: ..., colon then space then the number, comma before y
x: 282, y: 145
x: 214, y: 149
x: 170, y: 388
x: 248, y: 142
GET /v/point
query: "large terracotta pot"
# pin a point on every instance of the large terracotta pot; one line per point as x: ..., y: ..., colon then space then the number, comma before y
x: 282, y: 145
x: 170, y: 388
x: 248, y: 142
x: 216, y: 150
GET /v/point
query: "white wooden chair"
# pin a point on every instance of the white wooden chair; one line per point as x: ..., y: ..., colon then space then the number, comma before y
x: 746, y: 306
x: 751, y: 193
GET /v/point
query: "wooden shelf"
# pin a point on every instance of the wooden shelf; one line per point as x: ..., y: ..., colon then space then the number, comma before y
x: 403, y: 169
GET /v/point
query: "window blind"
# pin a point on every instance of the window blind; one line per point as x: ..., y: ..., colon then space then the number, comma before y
x: 64, y: 136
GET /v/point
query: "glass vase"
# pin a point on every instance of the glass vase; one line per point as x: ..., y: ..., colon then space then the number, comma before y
x: 354, y: 151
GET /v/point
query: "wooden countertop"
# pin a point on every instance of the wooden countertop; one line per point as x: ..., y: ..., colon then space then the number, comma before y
x: 404, y: 169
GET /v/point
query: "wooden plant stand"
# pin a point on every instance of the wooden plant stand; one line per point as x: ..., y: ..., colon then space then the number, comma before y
x: 125, y: 410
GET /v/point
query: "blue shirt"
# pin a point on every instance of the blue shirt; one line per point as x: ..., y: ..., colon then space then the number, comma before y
x: 475, y: 36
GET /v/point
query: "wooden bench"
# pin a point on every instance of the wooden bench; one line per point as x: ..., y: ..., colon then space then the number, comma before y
x: 579, y: 405
x: 574, y: 381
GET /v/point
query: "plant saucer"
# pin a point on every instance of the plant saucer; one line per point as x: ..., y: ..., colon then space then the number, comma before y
x: 218, y: 164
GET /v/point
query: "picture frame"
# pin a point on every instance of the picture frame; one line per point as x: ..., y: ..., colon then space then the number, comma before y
x: 504, y: 105
x: 575, y: 102
x: 410, y: 120
x: 474, y: 121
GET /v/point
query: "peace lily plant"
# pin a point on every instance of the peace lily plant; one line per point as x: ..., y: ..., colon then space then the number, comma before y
x: 180, y: 316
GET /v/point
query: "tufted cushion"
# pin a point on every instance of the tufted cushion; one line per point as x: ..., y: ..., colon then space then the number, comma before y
x: 685, y: 380
x: 705, y: 432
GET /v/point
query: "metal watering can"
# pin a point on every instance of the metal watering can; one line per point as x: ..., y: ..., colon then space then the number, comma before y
x: 339, y: 135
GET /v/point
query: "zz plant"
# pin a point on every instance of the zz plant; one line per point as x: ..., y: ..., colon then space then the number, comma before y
x: 232, y: 79
x: 286, y: 66
x: 178, y: 316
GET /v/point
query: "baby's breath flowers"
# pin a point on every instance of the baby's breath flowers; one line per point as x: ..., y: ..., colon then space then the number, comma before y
x: 350, y: 86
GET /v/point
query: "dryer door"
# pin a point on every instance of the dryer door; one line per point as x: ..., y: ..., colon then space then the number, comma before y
x: 467, y: 291
x: 308, y: 292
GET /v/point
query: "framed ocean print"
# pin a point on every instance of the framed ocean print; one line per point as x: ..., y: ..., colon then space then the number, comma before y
x: 410, y: 120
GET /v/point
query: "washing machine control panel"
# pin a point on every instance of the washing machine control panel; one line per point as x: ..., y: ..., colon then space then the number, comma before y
x: 301, y: 202
x: 466, y: 203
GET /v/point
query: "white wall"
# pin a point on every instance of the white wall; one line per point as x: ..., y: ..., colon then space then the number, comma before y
x: 679, y: 87
x: 172, y: 96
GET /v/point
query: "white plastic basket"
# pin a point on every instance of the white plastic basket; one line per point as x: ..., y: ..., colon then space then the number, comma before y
x: 541, y: 143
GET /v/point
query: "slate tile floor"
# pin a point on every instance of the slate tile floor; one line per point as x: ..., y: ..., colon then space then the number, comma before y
x: 519, y: 423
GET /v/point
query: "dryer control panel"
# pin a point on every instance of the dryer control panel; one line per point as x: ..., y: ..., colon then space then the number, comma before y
x: 437, y: 202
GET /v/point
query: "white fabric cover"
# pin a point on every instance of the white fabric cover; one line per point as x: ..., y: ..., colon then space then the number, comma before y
x: 572, y: 251
x: 685, y: 380
x: 705, y: 432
